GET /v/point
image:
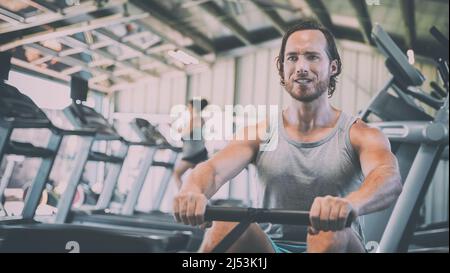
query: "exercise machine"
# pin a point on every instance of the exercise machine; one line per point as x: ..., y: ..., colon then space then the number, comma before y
x: 84, y: 117
x: 432, y: 139
x: 24, y: 233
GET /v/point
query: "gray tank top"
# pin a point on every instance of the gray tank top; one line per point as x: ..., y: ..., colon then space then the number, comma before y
x: 294, y: 173
x: 193, y: 143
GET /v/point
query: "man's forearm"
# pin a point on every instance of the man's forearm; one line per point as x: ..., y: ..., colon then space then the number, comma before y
x: 379, y: 190
x: 202, y: 180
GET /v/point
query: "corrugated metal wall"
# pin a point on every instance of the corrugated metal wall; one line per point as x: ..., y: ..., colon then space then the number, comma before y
x: 253, y: 79
x: 154, y: 96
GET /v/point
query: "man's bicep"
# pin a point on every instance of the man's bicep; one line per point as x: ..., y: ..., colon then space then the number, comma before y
x: 376, y: 158
x: 375, y: 151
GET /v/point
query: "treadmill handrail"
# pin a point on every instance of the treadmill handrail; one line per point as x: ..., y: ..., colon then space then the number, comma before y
x: 136, y: 143
x: 20, y: 123
x: 66, y: 132
x: 100, y: 136
x: 169, y: 147
x: 27, y: 123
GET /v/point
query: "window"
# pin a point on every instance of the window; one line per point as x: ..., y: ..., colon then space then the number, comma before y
x: 45, y: 93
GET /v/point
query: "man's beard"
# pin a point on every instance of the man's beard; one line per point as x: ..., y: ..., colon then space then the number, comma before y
x: 318, y: 90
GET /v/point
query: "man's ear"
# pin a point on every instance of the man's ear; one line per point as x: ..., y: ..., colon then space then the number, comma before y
x: 282, y: 82
x: 333, y: 67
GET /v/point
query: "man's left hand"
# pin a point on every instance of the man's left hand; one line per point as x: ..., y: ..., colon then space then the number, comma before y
x: 330, y: 213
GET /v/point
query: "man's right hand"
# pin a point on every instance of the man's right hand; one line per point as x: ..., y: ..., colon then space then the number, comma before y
x: 189, y: 207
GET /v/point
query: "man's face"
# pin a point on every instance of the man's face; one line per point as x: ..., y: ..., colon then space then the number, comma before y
x: 307, y: 68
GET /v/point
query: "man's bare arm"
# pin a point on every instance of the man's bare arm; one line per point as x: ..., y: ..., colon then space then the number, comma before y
x: 209, y: 176
x: 206, y: 179
x: 382, y: 184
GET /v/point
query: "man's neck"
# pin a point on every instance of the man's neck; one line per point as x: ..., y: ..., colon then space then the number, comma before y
x: 307, y: 116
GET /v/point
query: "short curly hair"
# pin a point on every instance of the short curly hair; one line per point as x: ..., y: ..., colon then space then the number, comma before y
x: 331, y: 50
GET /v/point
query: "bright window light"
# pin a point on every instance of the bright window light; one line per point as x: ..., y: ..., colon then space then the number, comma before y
x: 46, y: 94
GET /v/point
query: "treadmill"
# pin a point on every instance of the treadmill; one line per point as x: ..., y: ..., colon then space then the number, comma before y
x: 147, y: 132
x: 85, y: 118
x: 24, y: 233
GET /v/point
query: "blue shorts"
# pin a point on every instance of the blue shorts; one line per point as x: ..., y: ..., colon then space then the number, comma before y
x: 297, y: 247
x: 281, y: 247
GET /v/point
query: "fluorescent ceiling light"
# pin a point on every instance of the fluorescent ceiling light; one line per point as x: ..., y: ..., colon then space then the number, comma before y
x: 182, y: 57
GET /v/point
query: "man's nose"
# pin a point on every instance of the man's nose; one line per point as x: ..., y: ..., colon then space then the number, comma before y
x: 302, y: 66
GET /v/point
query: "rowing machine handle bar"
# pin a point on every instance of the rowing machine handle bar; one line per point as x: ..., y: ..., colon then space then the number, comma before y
x: 275, y: 216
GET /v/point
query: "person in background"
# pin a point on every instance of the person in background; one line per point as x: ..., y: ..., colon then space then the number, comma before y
x: 194, y: 150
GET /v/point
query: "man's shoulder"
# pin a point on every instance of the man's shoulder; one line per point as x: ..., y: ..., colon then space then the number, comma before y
x: 251, y: 133
x: 362, y: 134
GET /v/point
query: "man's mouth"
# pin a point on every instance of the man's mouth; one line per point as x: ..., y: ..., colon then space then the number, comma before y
x: 303, y: 81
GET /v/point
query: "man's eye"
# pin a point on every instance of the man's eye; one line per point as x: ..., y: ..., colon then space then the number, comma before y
x: 313, y: 57
x: 292, y: 58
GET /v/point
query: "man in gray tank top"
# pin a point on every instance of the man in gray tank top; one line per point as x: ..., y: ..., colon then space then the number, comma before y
x: 325, y: 161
